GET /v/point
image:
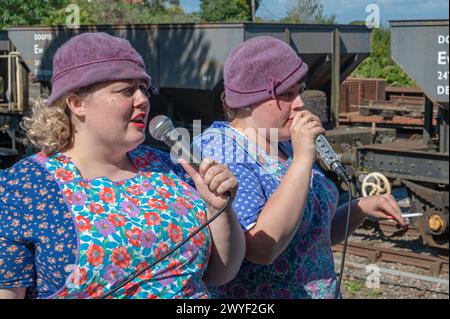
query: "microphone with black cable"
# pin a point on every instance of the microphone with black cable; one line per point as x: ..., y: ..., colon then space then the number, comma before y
x: 162, y: 129
x: 330, y: 158
x: 332, y: 162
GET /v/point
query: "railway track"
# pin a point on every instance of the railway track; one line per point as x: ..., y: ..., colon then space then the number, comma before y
x: 391, y: 229
x: 435, y: 265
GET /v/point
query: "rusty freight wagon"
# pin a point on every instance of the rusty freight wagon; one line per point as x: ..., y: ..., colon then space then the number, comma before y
x: 421, y: 50
x: 186, y: 63
x: 184, y: 60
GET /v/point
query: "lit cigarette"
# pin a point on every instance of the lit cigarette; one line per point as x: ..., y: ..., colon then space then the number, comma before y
x: 412, y: 215
x: 408, y: 215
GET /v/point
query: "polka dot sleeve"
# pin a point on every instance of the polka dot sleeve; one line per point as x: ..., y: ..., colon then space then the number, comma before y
x: 16, y: 253
x: 250, y: 198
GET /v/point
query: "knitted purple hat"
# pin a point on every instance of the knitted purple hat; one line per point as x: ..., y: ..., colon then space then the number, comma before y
x: 91, y: 58
x: 259, y: 69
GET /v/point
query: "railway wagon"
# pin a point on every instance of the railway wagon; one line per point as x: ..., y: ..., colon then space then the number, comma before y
x: 185, y: 62
x: 420, y: 48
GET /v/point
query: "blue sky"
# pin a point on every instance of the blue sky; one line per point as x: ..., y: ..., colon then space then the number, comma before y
x: 350, y: 10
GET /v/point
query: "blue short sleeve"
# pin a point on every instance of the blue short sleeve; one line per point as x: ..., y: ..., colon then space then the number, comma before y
x: 16, y: 251
x: 250, y: 198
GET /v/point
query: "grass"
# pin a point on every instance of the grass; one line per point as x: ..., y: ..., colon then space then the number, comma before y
x: 357, y: 289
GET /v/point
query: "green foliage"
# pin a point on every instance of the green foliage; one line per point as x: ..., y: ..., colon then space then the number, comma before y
x: 226, y: 10
x: 380, y: 64
x: 357, y: 289
x: 53, y: 12
x: 308, y: 11
x: 26, y: 12
x: 354, y: 286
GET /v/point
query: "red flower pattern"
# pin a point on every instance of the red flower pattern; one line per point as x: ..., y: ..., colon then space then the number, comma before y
x: 152, y: 218
x: 184, y: 202
x: 117, y: 220
x: 83, y: 223
x: 105, y: 252
x: 121, y: 257
x: 95, y: 255
x: 164, y: 192
x: 157, y: 204
x: 175, y: 233
x: 96, y: 208
x: 108, y: 195
x: 133, y: 236
x: 64, y: 175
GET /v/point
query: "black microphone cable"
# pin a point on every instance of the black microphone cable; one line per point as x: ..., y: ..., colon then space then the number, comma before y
x: 332, y: 161
x: 200, y: 228
x: 344, y: 250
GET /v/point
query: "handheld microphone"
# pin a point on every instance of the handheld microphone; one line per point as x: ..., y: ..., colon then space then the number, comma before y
x: 161, y: 128
x: 330, y: 158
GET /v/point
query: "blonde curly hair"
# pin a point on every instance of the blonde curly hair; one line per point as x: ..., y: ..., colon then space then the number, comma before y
x: 49, y: 128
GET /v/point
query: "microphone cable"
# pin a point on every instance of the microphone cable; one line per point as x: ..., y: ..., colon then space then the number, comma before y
x: 344, y: 250
x: 200, y: 228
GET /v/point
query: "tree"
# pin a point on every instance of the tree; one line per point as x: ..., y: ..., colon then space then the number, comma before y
x: 53, y: 12
x: 226, y: 10
x: 26, y: 12
x: 380, y: 64
x: 308, y: 11
x: 161, y: 5
x: 124, y: 12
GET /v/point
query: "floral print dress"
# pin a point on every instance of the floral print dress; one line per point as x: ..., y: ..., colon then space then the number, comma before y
x: 306, y: 268
x: 62, y: 236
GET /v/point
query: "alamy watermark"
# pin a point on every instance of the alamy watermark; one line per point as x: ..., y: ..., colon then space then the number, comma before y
x: 373, y: 276
x: 227, y: 146
x: 373, y: 19
x: 73, y: 19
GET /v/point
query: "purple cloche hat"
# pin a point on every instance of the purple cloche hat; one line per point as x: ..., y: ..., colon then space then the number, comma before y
x: 259, y: 69
x: 91, y: 58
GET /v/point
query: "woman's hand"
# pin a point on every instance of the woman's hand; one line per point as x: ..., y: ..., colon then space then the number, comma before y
x: 212, y: 181
x: 305, y: 128
x: 381, y: 207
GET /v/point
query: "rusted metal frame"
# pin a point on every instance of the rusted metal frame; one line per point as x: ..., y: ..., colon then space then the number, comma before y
x: 392, y: 227
x: 391, y: 106
x: 396, y: 120
x: 403, y: 164
x: 428, y: 194
x: 411, y: 100
x: 435, y: 265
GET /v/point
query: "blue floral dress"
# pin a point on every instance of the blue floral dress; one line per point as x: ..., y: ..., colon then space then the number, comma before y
x: 62, y: 236
x: 306, y: 268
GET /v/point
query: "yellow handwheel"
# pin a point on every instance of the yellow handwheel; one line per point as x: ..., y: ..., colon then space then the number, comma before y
x: 375, y: 184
